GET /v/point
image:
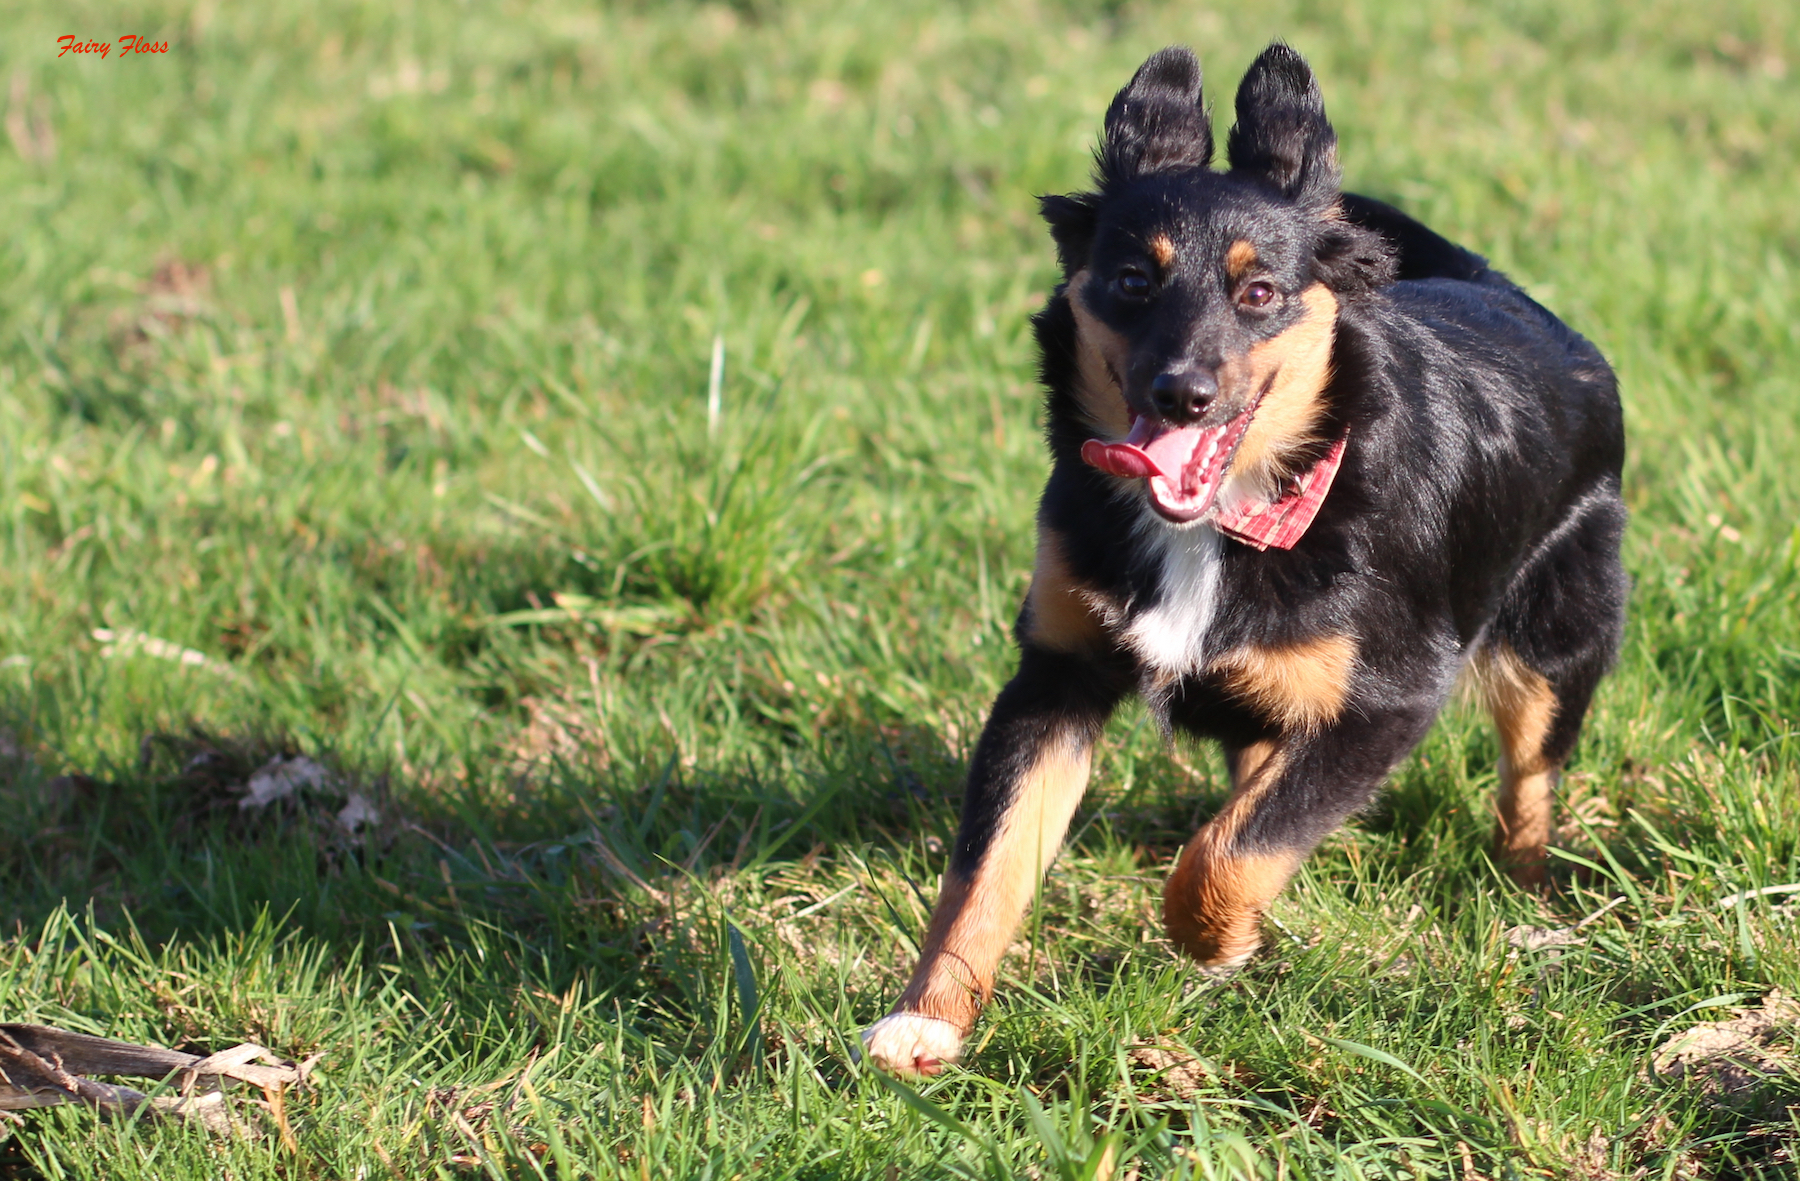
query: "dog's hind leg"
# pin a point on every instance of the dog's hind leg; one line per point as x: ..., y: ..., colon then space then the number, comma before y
x: 1525, y: 707
x: 1029, y: 772
x: 1555, y: 636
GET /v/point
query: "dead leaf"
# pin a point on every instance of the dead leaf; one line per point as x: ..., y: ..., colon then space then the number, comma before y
x: 358, y: 811
x: 281, y: 778
x: 41, y: 1066
x: 1527, y: 938
x: 117, y: 643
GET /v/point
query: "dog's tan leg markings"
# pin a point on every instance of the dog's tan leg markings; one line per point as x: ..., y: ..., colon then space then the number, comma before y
x: 976, y: 916
x: 1214, y: 901
x: 1163, y: 251
x: 1239, y: 259
x: 1058, y: 615
x: 1295, y: 367
x: 1100, y: 357
x: 1246, y: 761
x: 1299, y: 687
x: 1524, y: 707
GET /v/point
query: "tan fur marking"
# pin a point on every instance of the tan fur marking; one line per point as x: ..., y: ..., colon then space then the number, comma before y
x: 1239, y: 259
x: 1058, y: 613
x: 1163, y: 251
x: 1256, y: 767
x: 1295, y: 367
x: 1248, y: 760
x: 974, y: 919
x: 1214, y: 901
x: 1100, y: 356
x: 1299, y: 687
x: 1524, y: 707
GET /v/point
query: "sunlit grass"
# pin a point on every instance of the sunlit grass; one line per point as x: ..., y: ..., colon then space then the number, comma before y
x: 367, y: 352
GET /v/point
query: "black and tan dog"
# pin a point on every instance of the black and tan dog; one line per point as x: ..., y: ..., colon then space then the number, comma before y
x: 1311, y: 462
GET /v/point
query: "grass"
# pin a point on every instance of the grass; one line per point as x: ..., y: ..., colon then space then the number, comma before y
x: 365, y: 352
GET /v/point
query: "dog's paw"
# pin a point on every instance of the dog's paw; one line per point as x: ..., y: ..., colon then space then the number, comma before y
x: 912, y: 1043
x: 1221, y: 971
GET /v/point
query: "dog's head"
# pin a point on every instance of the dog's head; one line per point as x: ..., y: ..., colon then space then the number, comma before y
x: 1205, y: 302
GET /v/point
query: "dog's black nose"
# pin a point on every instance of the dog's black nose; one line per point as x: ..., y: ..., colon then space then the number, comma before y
x: 1183, y: 397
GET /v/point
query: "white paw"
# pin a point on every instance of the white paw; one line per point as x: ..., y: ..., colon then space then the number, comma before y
x: 911, y: 1043
x: 1222, y: 970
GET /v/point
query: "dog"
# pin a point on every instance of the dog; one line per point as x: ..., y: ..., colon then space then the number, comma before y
x: 1311, y: 462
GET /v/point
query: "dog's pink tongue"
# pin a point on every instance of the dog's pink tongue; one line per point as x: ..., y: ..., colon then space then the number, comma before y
x: 1145, y: 452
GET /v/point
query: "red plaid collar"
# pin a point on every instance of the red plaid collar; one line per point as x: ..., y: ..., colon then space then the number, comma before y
x: 1281, y: 522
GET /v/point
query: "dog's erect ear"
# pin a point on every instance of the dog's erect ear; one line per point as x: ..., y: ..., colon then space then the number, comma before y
x: 1282, y: 134
x: 1072, y: 221
x: 1158, y: 122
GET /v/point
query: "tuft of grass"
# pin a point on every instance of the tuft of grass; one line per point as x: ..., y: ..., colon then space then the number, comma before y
x: 606, y: 440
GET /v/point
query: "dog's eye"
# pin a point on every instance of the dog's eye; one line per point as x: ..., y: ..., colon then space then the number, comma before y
x: 1257, y: 295
x: 1133, y: 283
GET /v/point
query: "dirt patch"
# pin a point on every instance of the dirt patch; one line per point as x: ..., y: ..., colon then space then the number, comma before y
x: 1176, y: 1073
x: 1745, y: 1063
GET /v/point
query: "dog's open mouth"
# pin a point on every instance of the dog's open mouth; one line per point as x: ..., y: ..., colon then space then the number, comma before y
x: 1185, y: 465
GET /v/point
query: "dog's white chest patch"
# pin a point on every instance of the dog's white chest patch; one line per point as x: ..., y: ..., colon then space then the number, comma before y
x: 1171, y: 636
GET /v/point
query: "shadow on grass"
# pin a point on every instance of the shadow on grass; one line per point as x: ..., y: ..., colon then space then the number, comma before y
x: 560, y: 906
x: 177, y: 845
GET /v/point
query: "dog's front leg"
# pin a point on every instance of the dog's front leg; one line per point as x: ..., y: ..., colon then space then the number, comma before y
x: 1029, y: 772
x: 1288, y: 793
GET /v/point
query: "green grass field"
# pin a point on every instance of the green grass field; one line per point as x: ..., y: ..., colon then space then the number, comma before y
x: 354, y: 386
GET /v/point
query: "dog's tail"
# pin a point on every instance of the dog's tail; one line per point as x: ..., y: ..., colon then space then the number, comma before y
x: 1422, y: 253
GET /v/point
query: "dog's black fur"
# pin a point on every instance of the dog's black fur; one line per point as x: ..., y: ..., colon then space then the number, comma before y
x: 1475, y: 521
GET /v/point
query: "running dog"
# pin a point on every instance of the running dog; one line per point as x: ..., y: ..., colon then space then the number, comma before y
x: 1311, y: 462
